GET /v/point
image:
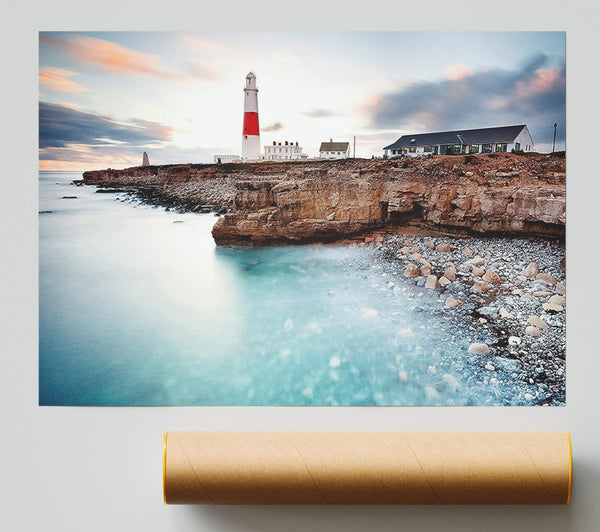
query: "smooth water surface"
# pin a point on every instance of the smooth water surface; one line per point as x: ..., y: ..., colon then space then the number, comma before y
x: 139, y: 307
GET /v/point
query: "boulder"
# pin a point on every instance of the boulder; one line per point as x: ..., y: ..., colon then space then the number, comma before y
x: 547, y: 278
x: 531, y: 271
x: 477, y: 348
x: 505, y: 313
x: 558, y: 300
x: 450, y: 273
x: 553, y: 307
x: 480, y: 286
x: 445, y: 248
x: 444, y: 281
x: 452, y: 303
x: 431, y: 282
x: 531, y: 330
x: 538, y: 322
x: 478, y: 272
x: 491, y: 276
x: 411, y: 270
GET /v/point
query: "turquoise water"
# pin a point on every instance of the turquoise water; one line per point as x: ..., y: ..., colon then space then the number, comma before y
x: 139, y: 307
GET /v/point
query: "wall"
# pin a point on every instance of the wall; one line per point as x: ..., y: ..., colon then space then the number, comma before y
x: 98, y: 469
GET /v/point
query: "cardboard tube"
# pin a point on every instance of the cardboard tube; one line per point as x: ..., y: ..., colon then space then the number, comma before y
x: 367, y: 467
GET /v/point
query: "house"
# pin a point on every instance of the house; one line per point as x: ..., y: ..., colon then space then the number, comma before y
x: 286, y: 152
x: 334, y: 150
x: 483, y: 140
x: 227, y: 159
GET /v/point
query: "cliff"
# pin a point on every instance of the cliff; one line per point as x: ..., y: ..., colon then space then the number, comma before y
x: 327, y: 200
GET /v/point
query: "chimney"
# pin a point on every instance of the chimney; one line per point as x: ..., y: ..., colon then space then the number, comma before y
x: 330, y: 140
x: 274, y: 143
x: 286, y: 142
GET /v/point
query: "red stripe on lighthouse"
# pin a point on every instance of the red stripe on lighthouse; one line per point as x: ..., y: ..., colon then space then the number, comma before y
x: 250, y: 123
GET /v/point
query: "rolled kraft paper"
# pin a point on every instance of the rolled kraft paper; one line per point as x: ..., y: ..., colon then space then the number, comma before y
x: 367, y: 467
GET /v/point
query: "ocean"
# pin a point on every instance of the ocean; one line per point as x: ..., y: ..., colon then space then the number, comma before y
x: 138, y: 306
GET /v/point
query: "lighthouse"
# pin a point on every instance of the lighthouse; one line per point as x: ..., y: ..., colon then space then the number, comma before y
x: 250, y: 134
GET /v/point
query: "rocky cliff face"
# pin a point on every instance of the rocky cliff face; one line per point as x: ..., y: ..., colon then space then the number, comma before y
x: 503, y: 193
x: 327, y: 200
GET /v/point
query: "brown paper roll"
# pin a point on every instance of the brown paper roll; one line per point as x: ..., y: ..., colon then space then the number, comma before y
x: 367, y: 467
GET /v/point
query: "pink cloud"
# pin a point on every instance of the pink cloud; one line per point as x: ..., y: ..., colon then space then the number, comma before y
x: 110, y: 56
x: 457, y: 71
x: 544, y: 80
x: 57, y: 79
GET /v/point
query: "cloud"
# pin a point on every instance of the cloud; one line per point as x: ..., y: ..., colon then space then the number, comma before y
x: 206, y: 46
x: 275, y: 126
x: 200, y: 71
x: 532, y: 94
x: 457, y: 71
x: 61, y: 126
x: 57, y: 79
x: 70, y: 139
x: 320, y: 113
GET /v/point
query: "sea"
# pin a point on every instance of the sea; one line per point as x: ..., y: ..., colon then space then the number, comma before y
x: 138, y: 306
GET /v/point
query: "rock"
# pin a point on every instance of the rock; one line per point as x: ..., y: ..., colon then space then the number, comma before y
x: 514, y: 340
x: 480, y: 286
x: 557, y: 300
x: 482, y: 320
x: 552, y: 307
x: 430, y: 245
x: 444, y: 281
x: 527, y: 297
x: 547, y: 278
x: 477, y: 271
x: 541, y: 293
x: 528, y: 397
x: 450, y: 273
x: 412, y: 270
x: 521, y: 278
x: 505, y: 314
x: 403, y: 376
x: 531, y: 271
x: 532, y: 331
x: 445, y: 248
x: 425, y: 271
x: 560, y: 288
x: 476, y: 261
x: 479, y: 349
x: 431, y: 282
x: 491, y: 276
x: 489, y: 367
x: 468, y: 252
x: 452, y: 303
x: 536, y: 321
x: 431, y: 370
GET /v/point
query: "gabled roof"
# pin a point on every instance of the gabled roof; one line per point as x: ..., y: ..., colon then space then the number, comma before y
x: 334, y: 146
x: 463, y: 136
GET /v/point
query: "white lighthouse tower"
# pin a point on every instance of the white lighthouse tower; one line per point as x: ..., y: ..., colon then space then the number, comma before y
x: 250, y: 134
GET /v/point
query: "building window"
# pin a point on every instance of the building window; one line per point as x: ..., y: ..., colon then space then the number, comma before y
x: 486, y: 148
x: 428, y: 149
x: 412, y: 149
x: 517, y: 146
x: 456, y: 148
x: 500, y: 147
x: 474, y: 148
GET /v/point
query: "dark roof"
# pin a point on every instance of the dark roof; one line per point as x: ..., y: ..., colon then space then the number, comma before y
x: 463, y: 136
x: 334, y: 146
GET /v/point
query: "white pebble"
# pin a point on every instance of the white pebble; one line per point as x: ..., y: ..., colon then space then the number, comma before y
x: 335, y: 362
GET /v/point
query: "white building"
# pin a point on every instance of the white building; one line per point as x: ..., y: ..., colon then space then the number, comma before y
x: 227, y: 159
x: 484, y: 140
x: 288, y: 151
x: 334, y: 150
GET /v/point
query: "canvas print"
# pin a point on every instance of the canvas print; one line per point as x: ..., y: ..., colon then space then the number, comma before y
x: 302, y: 218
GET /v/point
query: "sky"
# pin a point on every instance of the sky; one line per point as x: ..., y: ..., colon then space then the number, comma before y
x: 106, y: 97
